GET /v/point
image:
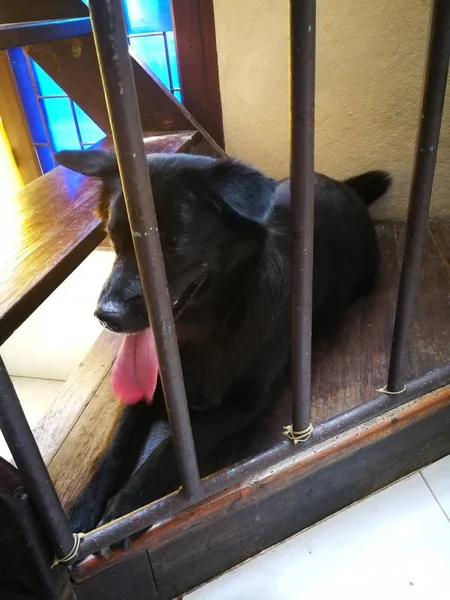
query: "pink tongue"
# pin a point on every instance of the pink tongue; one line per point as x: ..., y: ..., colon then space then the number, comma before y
x: 135, y: 371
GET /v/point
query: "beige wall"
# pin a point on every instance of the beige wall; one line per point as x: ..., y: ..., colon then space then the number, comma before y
x: 370, y: 58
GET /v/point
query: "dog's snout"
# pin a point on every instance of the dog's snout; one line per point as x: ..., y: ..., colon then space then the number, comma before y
x: 110, y: 317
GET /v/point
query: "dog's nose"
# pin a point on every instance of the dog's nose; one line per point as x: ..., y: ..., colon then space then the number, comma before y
x: 109, y: 317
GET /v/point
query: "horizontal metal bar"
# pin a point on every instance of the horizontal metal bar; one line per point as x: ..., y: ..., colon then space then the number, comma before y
x: 303, y: 36
x: 146, y: 516
x: 383, y: 403
x: 51, y: 96
x: 108, y: 23
x: 31, y: 466
x: 146, y: 34
x: 421, y: 187
x: 14, y: 35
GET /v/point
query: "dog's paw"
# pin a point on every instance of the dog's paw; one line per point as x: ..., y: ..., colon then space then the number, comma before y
x: 117, y: 507
x: 123, y: 545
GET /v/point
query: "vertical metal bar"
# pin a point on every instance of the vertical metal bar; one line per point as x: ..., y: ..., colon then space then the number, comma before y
x: 75, y: 122
x: 421, y: 186
x: 303, y: 33
x: 169, y: 68
x: 31, y: 466
x: 108, y: 24
x: 38, y: 97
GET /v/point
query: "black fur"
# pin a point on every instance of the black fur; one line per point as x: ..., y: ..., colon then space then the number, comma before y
x: 371, y: 185
x: 225, y: 233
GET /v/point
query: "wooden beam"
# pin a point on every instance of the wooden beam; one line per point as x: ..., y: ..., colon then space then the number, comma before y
x: 22, y: 34
x: 20, y: 11
x: 213, y: 147
x: 195, y: 35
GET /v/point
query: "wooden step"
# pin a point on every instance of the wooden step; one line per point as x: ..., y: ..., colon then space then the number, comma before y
x: 74, y: 430
x: 50, y: 227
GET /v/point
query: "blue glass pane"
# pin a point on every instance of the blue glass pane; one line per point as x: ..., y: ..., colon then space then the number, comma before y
x: 61, y: 124
x: 153, y: 16
x: 151, y: 50
x: 45, y: 158
x: 173, y: 59
x: 177, y: 95
x: 46, y: 85
x: 27, y: 95
x: 90, y: 132
x: 148, y: 15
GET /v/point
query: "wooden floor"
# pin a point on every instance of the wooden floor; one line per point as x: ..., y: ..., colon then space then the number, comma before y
x: 350, y: 363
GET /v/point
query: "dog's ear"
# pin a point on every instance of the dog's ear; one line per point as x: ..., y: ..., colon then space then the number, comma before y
x: 243, y: 189
x: 95, y: 163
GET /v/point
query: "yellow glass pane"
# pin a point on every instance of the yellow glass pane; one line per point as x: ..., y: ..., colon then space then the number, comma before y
x: 10, y: 179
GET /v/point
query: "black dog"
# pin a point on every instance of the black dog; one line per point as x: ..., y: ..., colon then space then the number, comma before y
x: 225, y: 234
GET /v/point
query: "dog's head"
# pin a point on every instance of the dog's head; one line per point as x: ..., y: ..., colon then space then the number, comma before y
x: 211, y: 215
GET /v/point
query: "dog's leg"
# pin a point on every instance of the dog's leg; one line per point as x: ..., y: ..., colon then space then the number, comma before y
x: 115, y: 465
x: 158, y: 475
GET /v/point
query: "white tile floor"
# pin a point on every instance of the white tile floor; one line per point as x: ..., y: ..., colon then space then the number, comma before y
x: 393, y: 545
x: 45, y: 350
x: 53, y: 341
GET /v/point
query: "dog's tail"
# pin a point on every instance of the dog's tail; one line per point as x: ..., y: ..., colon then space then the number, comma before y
x: 371, y: 185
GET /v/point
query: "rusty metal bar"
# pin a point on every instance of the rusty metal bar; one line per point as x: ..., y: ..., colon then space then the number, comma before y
x: 143, y: 518
x: 303, y: 34
x: 421, y: 187
x: 108, y: 24
x: 33, y: 471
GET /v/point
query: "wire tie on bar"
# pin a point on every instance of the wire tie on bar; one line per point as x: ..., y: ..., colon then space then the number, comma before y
x: 72, y: 554
x: 383, y: 390
x: 298, y: 436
